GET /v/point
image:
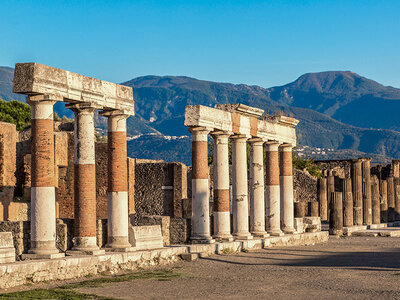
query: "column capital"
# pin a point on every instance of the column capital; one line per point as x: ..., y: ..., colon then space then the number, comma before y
x: 36, y: 99
x: 220, y: 133
x: 239, y: 137
x: 256, y: 141
x: 114, y: 113
x: 286, y: 147
x: 272, y: 146
x: 82, y: 108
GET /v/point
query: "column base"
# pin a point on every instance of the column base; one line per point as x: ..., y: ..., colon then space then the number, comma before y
x: 85, y: 252
x: 202, y: 240
x: 85, y: 246
x: 30, y: 256
x: 243, y: 236
x: 119, y: 242
x: 276, y: 233
x: 223, y: 237
x: 260, y: 234
x: 125, y: 250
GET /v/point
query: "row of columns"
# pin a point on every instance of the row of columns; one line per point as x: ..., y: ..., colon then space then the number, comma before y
x: 43, y: 211
x: 271, y: 196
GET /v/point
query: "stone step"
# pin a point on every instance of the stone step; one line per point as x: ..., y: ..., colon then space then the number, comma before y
x: 190, y: 256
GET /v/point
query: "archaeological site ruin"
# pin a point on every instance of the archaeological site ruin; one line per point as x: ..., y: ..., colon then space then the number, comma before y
x: 72, y: 203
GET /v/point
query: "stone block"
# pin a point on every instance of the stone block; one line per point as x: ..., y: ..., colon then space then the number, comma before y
x: 312, y: 224
x: 189, y: 256
x: 163, y: 221
x: 61, y: 149
x: 7, y: 251
x: 298, y: 225
x: 131, y: 185
x: 145, y: 237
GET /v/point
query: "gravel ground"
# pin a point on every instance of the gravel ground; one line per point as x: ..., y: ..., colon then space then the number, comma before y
x: 352, y: 268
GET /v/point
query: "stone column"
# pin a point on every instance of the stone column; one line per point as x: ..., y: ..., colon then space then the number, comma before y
x: 221, y: 213
x: 347, y: 203
x: 367, y: 204
x: 200, y: 187
x: 84, y: 240
x: 322, y: 198
x: 240, y: 189
x: 314, y: 211
x: 356, y: 177
x: 118, y: 219
x: 272, y: 190
x: 299, y: 209
x: 257, y: 202
x: 43, y: 197
x: 390, y: 199
x: 376, y: 210
x: 384, y: 204
x: 336, y: 218
x: 396, y: 182
x: 286, y: 184
x: 330, y: 182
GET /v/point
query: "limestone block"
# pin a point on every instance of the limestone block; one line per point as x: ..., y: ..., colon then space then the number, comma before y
x: 298, y: 225
x: 61, y: 149
x: 34, y: 78
x: 8, y: 152
x: 19, y: 211
x: 7, y: 251
x: 312, y: 223
x: 163, y: 221
x: 145, y: 237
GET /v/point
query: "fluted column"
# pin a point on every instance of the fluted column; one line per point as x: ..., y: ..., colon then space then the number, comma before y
x: 375, y: 197
x: 240, y: 189
x: 286, y: 183
x: 272, y: 190
x: 322, y: 198
x: 118, y: 219
x: 367, y: 204
x: 384, y: 204
x: 221, y: 213
x: 43, y: 197
x: 356, y: 177
x: 84, y: 181
x: 200, y: 187
x: 257, y: 203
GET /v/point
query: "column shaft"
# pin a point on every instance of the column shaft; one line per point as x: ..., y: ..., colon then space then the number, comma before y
x: 118, y: 219
x: 367, y: 204
x: 200, y: 187
x: 347, y: 203
x: 384, y: 204
x: 286, y: 183
x: 43, y: 198
x: 390, y: 199
x: 375, y: 197
x: 272, y: 190
x: 356, y: 177
x: 322, y: 198
x: 85, y: 181
x: 257, y: 203
x: 221, y: 213
x: 240, y: 189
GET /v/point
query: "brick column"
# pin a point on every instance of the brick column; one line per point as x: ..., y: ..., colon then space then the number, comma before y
x: 43, y: 197
x: 84, y: 181
x: 118, y: 219
x: 221, y: 213
x: 257, y: 203
x: 240, y: 189
x: 272, y: 190
x: 200, y: 187
x: 286, y: 183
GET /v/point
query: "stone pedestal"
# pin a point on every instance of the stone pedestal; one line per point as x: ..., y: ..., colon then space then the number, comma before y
x: 221, y: 213
x: 257, y: 203
x: 200, y: 187
x: 286, y: 184
x: 240, y: 189
x: 272, y: 190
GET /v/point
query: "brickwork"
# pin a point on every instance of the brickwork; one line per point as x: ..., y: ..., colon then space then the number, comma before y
x: 221, y: 200
x: 285, y: 163
x: 117, y: 168
x: 272, y: 168
x: 200, y: 160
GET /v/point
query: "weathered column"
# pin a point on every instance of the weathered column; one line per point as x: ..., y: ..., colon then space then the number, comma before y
x: 314, y: 209
x: 322, y: 198
x: 384, y: 204
x: 240, y: 189
x: 286, y: 184
x: 272, y: 190
x: 367, y: 204
x: 117, y: 192
x: 84, y: 182
x: 396, y: 182
x: 43, y: 198
x: 390, y: 199
x: 336, y: 218
x: 376, y: 209
x: 347, y: 203
x: 200, y: 187
x: 299, y: 209
x: 257, y: 203
x: 330, y: 182
x: 356, y: 181
x: 221, y: 213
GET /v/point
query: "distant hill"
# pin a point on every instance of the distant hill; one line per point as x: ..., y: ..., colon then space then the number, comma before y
x: 6, y: 79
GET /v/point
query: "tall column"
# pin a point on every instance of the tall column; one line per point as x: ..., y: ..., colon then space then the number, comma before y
x: 336, y: 211
x: 221, y: 213
x: 286, y: 183
x: 272, y: 190
x: 118, y: 219
x: 347, y: 203
x: 43, y: 197
x: 367, y: 204
x: 396, y: 182
x: 330, y: 182
x: 384, y: 204
x: 240, y: 189
x: 200, y: 187
x: 257, y: 203
x: 84, y: 182
x: 376, y: 209
x: 356, y: 177
x: 390, y: 199
x: 322, y: 198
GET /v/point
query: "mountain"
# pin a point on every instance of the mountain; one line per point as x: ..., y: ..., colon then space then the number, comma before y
x: 6, y: 79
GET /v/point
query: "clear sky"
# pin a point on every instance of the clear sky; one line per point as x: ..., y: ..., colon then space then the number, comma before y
x: 255, y: 42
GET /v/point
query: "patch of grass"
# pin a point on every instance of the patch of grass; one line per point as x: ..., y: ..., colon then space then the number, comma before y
x: 227, y: 251
x: 51, y: 294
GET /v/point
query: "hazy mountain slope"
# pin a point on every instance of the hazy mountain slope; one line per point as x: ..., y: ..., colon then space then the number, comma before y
x: 6, y: 79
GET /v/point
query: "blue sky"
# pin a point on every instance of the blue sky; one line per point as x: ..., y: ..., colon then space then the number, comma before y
x: 255, y: 42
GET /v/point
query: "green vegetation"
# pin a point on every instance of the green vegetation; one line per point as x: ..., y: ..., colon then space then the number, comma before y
x: 15, y: 112
x: 68, y: 291
x: 307, y: 164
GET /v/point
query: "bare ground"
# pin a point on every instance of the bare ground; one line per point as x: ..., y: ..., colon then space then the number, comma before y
x: 352, y: 268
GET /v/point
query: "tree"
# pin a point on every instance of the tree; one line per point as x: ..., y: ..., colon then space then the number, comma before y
x: 15, y: 112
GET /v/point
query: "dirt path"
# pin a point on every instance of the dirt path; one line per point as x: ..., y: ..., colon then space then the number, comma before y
x: 352, y: 268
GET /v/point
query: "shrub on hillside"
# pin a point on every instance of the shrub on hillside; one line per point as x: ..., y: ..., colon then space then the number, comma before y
x: 15, y: 112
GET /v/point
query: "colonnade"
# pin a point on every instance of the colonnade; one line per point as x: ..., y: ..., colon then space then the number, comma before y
x: 43, y: 196
x: 271, y: 187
